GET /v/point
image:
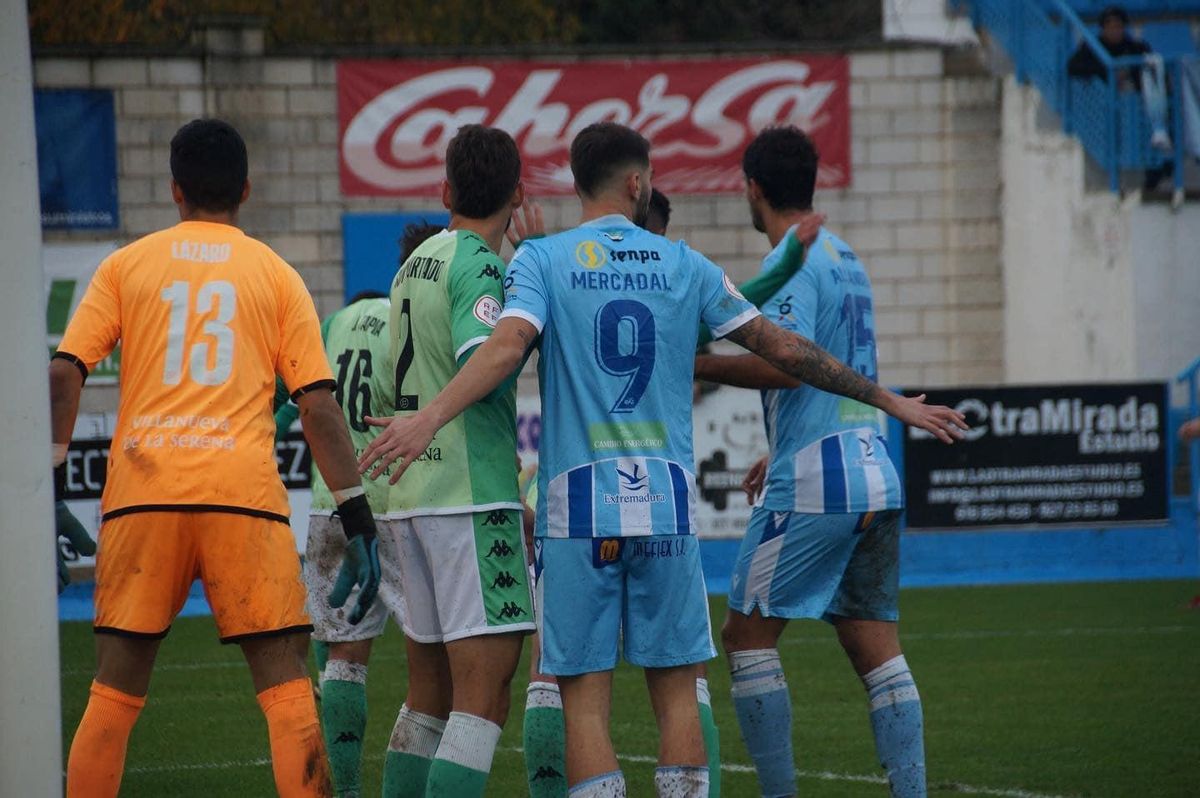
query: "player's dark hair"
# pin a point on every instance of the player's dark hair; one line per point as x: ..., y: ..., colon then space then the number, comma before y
x: 1114, y: 11
x: 783, y: 162
x: 367, y: 294
x: 483, y: 167
x: 660, y: 205
x: 603, y: 149
x: 208, y: 163
x: 414, y: 236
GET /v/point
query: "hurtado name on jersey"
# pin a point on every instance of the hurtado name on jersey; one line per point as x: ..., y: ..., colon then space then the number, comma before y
x: 421, y: 268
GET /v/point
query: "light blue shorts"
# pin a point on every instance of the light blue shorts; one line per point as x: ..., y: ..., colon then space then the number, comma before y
x: 591, y: 592
x: 800, y: 565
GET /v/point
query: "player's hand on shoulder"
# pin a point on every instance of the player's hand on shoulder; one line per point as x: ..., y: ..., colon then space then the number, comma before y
x: 404, y: 439
x: 945, y: 423
x: 527, y: 222
x: 756, y: 477
x: 809, y: 227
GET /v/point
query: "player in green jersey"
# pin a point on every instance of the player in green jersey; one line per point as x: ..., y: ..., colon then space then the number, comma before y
x: 358, y: 347
x: 455, y: 515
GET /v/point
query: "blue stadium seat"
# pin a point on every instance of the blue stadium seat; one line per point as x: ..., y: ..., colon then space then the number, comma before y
x: 1169, y: 38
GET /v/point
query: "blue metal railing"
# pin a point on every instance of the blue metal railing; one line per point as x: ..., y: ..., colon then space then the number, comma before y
x: 1040, y: 36
x: 1191, y: 376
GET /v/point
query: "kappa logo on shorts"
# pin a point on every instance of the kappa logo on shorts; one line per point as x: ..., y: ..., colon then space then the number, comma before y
x: 498, y: 518
x: 500, y: 548
x: 504, y: 580
x: 606, y: 551
x: 511, y: 609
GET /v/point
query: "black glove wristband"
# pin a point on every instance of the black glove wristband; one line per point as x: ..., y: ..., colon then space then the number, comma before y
x: 60, y: 481
x: 357, y: 518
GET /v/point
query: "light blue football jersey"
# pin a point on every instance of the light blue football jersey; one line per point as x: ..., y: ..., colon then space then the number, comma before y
x: 828, y: 454
x: 618, y: 309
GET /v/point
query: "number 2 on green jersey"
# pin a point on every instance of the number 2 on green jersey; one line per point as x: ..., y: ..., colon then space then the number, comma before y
x: 405, y: 401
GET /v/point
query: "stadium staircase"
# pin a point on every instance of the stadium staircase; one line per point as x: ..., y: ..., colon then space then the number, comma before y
x: 1039, y: 37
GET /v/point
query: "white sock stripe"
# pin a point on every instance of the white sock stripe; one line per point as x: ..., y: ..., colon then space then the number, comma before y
x: 343, y: 671
x: 899, y: 680
x: 901, y: 695
x: 893, y: 667
x: 753, y: 661
x: 760, y: 686
x: 606, y: 785
x: 676, y: 781
x: 416, y: 733
x: 702, y: 694
x: 469, y: 741
x: 542, y: 695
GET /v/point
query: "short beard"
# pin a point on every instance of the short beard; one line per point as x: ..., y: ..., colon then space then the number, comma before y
x: 756, y: 219
x: 641, y: 211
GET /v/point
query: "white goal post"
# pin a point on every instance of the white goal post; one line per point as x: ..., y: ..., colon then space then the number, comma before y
x: 31, y: 756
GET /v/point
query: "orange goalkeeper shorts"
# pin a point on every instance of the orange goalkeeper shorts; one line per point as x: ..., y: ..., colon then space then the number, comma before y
x: 249, y: 568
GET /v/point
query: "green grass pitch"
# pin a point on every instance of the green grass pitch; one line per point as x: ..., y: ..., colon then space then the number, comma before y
x: 1029, y: 691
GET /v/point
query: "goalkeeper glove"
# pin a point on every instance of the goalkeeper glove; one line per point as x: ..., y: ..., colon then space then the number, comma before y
x: 361, y: 564
x: 66, y: 525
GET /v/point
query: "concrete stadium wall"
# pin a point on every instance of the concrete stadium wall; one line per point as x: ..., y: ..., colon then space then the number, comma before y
x: 923, y: 209
x: 1096, y: 287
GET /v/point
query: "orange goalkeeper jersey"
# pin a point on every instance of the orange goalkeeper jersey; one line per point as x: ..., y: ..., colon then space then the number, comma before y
x: 206, y: 317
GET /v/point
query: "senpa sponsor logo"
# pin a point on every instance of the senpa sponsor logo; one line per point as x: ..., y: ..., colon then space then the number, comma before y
x: 487, y: 310
x: 1131, y: 426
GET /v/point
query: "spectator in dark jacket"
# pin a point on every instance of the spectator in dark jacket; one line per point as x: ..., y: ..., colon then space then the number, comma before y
x: 1114, y: 35
x: 1115, y: 38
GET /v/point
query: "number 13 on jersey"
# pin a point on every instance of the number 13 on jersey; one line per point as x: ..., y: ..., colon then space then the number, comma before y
x: 218, y: 296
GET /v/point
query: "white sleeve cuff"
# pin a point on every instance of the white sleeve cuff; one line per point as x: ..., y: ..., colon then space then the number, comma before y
x: 739, y: 320
x: 476, y: 341
x: 517, y: 313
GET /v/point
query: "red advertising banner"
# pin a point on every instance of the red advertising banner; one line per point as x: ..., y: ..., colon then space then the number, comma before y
x: 396, y: 117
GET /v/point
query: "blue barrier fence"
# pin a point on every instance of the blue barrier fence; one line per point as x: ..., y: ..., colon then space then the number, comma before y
x: 1190, y: 379
x: 1040, y: 36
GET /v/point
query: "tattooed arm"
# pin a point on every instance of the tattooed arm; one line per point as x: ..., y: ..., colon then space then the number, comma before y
x: 801, y: 358
x: 407, y: 437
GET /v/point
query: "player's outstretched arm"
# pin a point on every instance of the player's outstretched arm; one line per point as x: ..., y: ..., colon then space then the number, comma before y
x: 809, y: 363
x: 329, y: 441
x: 407, y: 437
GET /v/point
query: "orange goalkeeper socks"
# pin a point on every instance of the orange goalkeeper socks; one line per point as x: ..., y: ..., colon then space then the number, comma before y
x: 297, y: 748
x: 97, y: 758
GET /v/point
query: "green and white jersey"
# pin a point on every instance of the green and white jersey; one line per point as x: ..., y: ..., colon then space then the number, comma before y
x: 359, y: 348
x: 446, y: 300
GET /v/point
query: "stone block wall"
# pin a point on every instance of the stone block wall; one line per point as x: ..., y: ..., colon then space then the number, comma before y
x: 923, y: 208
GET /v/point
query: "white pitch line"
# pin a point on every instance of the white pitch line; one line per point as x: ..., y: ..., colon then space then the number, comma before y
x: 728, y: 767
